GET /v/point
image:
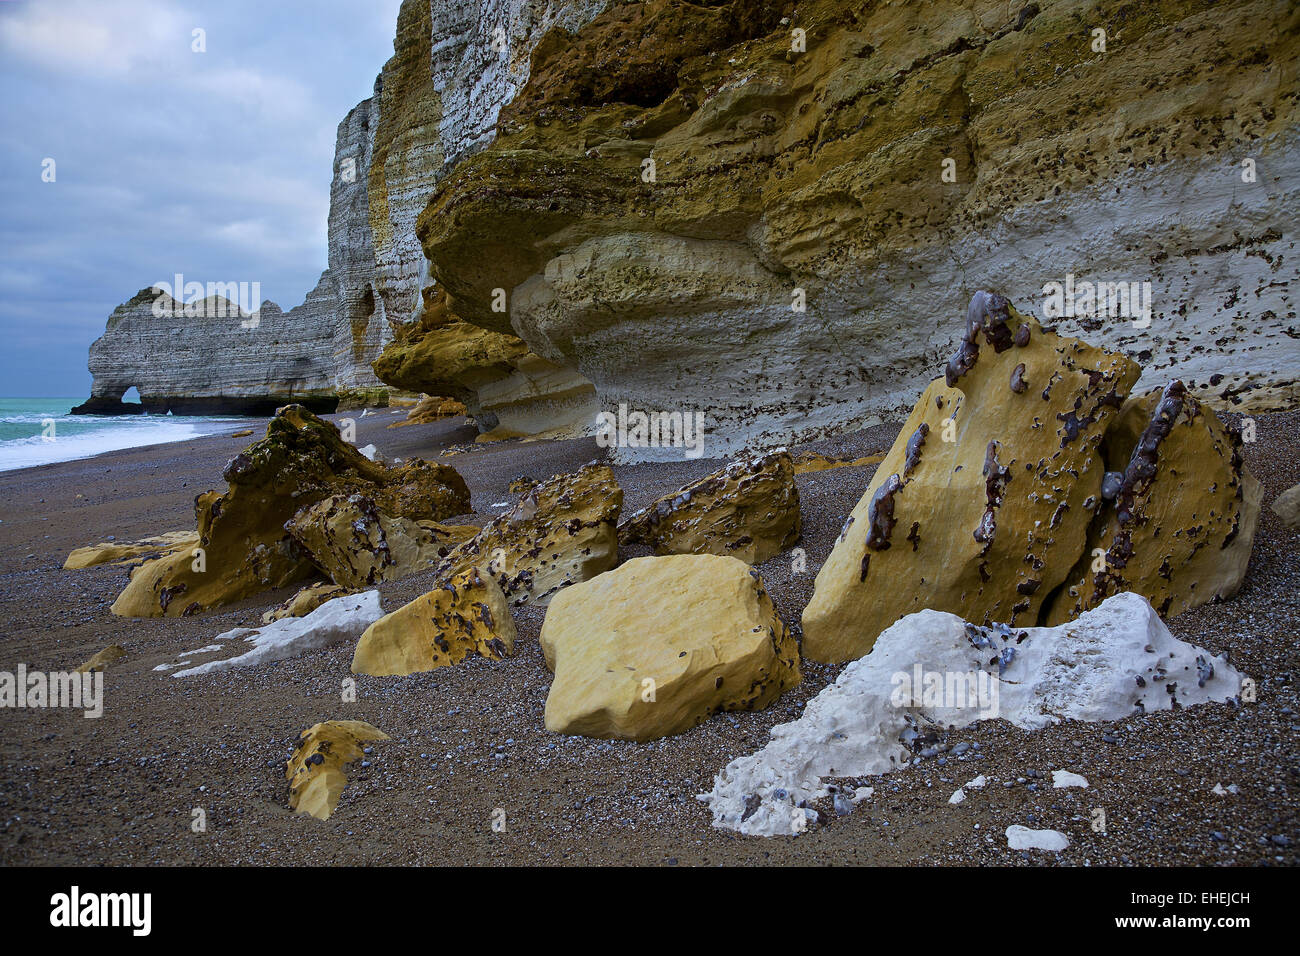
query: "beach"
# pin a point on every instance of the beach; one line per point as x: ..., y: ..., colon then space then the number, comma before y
x: 468, y: 743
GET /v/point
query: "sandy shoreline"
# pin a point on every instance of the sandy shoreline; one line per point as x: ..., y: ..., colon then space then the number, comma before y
x: 469, y: 739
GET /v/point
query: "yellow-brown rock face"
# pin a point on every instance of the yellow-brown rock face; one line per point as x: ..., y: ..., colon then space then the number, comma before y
x: 561, y: 532
x: 305, y: 600
x: 357, y: 545
x: 112, y: 552
x: 982, y: 505
x: 658, y: 645
x: 1013, y: 474
x: 315, y: 771
x: 1178, y: 514
x: 499, y: 382
x: 243, y: 547
x: 748, y: 510
x: 466, y: 615
x: 674, y: 175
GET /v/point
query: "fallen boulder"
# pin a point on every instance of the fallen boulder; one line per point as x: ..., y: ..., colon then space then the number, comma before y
x: 1177, y: 513
x: 982, y: 505
x: 243, y: 548
x: 933, y: 672
x: 111, y: 552
x: 468, y: 614
x: 1016, y: 474
x: 659, y: 644
x: 748, y: 510
x: 561, y: 532
x: 1287, y: 507
x: 315, y: 769
x: 305, y: 600
x: 342, y: 619
x: 357, y: 545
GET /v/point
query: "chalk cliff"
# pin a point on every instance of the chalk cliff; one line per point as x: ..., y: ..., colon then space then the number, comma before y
x: 763, y: 211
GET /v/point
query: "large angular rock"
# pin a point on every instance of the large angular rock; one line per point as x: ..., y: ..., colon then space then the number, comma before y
x: 748, y: 510
x: 468, y: 614
x: 1178, y: 510
x: 315, y: 770
x: 562, y: 531
x: 932, y: 672
x: 357, y: 545
x: 982, y: 506
x: 243, y: 546
x: 658, y: 645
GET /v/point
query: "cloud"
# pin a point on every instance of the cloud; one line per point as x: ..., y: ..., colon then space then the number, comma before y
x: 96, y: 37
x: 216, y: 165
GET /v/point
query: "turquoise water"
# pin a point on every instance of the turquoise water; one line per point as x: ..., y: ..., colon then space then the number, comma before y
x: 37, y: 431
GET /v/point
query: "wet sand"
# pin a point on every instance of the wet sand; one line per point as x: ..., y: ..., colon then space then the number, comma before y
x: 469, y: 739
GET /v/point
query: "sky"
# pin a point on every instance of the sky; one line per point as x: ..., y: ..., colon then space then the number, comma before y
x: 214, y: 163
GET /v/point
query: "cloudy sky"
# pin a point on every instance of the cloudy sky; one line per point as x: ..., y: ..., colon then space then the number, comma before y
x: 214, y: 164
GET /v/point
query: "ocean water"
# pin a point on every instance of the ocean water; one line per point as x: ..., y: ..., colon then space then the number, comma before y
x: 37, y: 431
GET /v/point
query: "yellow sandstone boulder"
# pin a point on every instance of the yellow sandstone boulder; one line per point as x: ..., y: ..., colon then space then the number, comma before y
x: 357, y: 545
x: 748, y: 510
x: 562, y: 531
x: 100, y: 662
x: 315, y: 770
x: 124, y: 553
x: 305, y: 600
x: 656, y: 646
x: 243, y: 548
x: 982, y: 506
x: 468, y: 614
x: 1178, y: 511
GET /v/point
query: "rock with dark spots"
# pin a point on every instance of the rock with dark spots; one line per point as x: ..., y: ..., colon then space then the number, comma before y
x: 658, y: 645
x: 748, y: 510
x: 466, y: 615
x: 357, y: 545
x: 315, y: 769
x: 243, y: 547
x: 305, y: 600
x: 1179, y: 527
x: 994, y: 497
x: 561, y: 532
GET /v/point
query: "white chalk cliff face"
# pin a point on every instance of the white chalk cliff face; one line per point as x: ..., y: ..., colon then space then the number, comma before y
x: 227, y: 354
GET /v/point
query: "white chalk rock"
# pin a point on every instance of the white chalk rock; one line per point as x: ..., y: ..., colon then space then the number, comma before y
x: 977, y: 784
x: 343, y: 619
x: 931, y: 671
x: 1064, y: 778
x: 958, y: 796
x: 374, y: 454
x: 1023, y: 838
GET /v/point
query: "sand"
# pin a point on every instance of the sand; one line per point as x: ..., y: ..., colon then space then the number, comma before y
x: 469, y: 748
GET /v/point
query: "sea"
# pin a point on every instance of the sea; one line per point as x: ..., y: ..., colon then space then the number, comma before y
x: 37, y: 431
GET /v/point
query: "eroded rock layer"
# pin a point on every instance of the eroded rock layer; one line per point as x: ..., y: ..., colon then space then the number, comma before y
x: 762, y: 213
